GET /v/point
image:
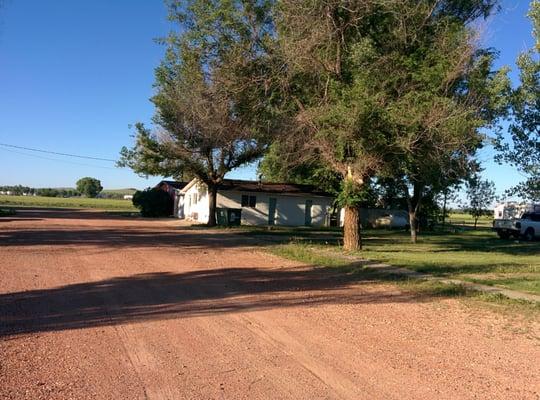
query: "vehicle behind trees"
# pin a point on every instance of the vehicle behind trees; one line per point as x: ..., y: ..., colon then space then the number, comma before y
x: 517, y: 220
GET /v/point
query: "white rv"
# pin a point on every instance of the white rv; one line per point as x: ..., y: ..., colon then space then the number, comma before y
x: 517, y: 220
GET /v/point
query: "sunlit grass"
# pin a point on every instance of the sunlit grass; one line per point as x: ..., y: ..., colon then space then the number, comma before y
x: 475, y: 256
x: 70, y: 202
x: 464, y: 253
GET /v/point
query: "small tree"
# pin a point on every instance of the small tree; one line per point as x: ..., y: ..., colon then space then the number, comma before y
x: 480, y: 194
x: 89, y: 187
x: 447, y: 195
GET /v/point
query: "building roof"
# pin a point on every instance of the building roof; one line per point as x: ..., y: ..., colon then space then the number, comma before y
x: 173, y: 184
x: 267, y: 187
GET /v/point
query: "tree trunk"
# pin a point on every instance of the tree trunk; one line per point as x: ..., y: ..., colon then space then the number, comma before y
x: 352, y: 239
x: 413, y: 204
x: 475, y: 221
x: 212, y: 202
x: 413, y: 222
x: 444, y: 209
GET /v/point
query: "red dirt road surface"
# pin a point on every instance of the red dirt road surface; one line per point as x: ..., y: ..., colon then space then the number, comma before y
x: 100, y: 307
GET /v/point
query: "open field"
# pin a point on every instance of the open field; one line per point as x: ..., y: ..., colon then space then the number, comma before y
x: 94, y: 306
x: 465, y: 219
x: 70, y: 202
x: 476, y: 256
x: 118, y: 191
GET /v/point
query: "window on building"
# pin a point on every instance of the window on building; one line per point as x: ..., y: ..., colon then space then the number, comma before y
x: 249, y: 201
x: 195, y: 198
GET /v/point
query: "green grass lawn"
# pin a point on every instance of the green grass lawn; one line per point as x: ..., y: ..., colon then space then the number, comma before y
x: 476, y: 256
x: 119, y: 192
x: 71, y: 202
x: 467, y: 220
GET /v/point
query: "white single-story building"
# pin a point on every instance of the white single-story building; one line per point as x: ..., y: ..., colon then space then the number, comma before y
x: 261, y: 203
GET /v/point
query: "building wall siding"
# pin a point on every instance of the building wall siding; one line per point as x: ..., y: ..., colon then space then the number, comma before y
x: 196, y: 211
x: 290, y: 209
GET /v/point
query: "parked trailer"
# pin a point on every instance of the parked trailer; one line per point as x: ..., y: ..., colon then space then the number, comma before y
x: 512, y: 219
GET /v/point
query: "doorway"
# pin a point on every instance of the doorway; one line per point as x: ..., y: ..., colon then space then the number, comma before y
x: 272, y: 203
x: 309, y: 204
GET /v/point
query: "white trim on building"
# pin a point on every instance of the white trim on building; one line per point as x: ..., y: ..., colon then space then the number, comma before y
x: 260, y: 207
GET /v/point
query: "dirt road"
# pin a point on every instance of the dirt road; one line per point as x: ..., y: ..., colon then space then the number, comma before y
x: 97, y: 307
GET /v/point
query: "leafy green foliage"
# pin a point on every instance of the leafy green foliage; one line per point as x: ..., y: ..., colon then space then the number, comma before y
x: 523, y: 150
x: 153, y: 203
x: 481, y: 194
x: 276, y: 166
x: 454, y: 95
x: 52, y: 192
x: 89, y: 187
x: 146, y: 156
x: 210, y: 99
x: 350, y: 195
x: 214, y: 106
x: 17, y: 190
x: 388, y: 89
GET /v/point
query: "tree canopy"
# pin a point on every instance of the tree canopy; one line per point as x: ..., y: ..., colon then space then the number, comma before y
x: 212, y: 109
x: 387, y: 89
x: 89, y: 187
x: 345, y: 94
x: 523, y: 147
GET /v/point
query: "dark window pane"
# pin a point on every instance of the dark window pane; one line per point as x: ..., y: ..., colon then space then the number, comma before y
x: 245, y: 200
x: 252, y: 201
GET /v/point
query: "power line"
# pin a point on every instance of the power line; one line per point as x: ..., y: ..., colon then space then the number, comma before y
x: 55, y: 159
x: 57, y: 153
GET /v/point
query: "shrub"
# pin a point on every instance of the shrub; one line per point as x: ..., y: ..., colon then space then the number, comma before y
x: 153, y: 203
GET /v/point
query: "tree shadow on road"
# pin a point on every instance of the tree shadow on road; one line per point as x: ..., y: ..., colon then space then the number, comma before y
x: 25, y: 213
x: 167, y: 295
x: 128, y: 237
x: 9, y: 219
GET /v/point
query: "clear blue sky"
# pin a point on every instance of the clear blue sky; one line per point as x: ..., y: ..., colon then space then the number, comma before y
x: 75, y: 74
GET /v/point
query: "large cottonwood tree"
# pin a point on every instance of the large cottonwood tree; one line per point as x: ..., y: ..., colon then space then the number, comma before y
x: 339, y: 101
x: 213, y: 103
x: 382, y: 86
